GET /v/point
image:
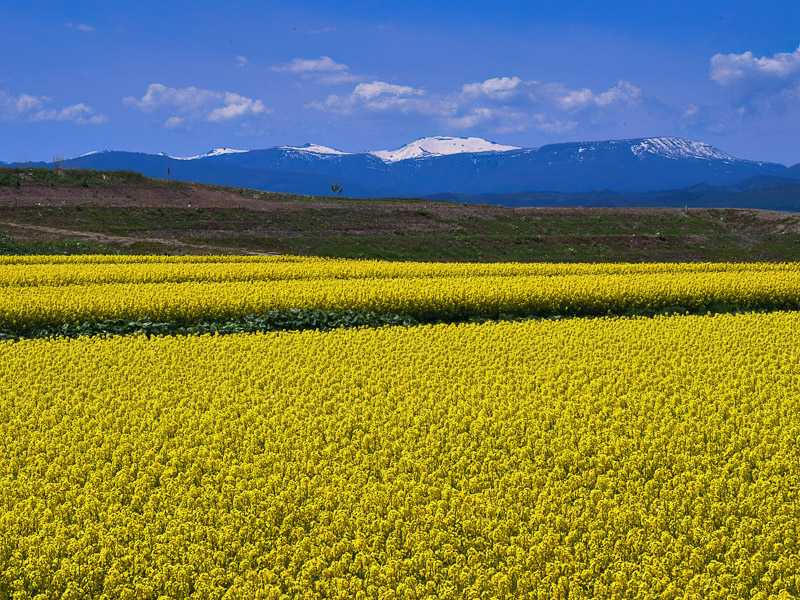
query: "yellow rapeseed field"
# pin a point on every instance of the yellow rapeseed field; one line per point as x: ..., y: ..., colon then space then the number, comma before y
x: 50, y: 293
x: 609, y: 458
x: 68, y: 270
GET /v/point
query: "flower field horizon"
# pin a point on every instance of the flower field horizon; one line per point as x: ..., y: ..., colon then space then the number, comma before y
x: 611, y: 457
x: 44, y: 291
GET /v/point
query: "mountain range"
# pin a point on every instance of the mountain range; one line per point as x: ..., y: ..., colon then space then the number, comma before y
x: 665, y: 171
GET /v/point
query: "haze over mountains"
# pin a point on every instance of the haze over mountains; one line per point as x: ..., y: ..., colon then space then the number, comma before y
x: 666, y: 171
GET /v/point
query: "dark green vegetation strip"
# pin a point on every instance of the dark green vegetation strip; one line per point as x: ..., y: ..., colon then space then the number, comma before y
x: 25, y: 176
x: 307, y: 319
x: 276, y: 320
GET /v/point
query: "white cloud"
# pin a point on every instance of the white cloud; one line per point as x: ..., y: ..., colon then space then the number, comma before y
x: 471, y: 119
x: 322, y: 70
x: 499, y: 104
x: 68, y: 113
x: 12, y: 106
x: 236, y: 106
x: 76, y: 113
x: 477, y: 115
x: 765, y: 86
x: 33, y: 107
x: 546, y: 96
x: 174, y: 122
x: 756, y: 92
x: 506, y: 120
x: 194, y: 104
x: 375, y: 96
x: 159, y: 96
x: 368, y: 91
x: 313, y: 65
x: 622, y: 93
x: 496, y: 87
x: 576, y: 99
x: 80, y: 26
x: 339, y: 77
x: 509, y: 104
x: 241, y: 61
x: 534, y: 121
x: 729, y: 69
x: 26, y: 102
x: 322, y: 30
x: 542, y: 123
x: 714, y: 118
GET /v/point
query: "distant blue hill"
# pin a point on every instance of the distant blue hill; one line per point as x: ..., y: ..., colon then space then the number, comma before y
x: 652, y: 169
x: 784, y: 196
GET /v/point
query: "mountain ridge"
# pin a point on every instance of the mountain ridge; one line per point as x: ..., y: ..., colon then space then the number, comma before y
x: 433, y: 146
x: 450, y: 165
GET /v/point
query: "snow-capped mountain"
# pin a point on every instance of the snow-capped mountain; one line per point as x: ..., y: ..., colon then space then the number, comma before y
x: 423, y: 147
x: 677, y: 148
x: 313, y: 149
x: 440, y: 146
x: 434, y: 165
x: 214, y: 152
x: 92, y: 152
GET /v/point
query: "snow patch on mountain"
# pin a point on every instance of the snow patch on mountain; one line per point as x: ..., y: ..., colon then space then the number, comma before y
x: 440, y: 146
x: 678, y: 148
x: 214, y: 152
x: 314, y: 149
x: 91, y: 153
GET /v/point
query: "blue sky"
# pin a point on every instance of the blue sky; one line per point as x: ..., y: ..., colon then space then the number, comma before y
x: 185, y: 77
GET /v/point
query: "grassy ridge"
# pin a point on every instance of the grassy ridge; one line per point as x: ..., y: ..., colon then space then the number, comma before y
x: 718, y: 235
x: 18, y: 177
x: 110, y: 212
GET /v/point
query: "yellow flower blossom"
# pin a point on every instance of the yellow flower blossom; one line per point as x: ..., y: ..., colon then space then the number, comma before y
x: 608, y: 458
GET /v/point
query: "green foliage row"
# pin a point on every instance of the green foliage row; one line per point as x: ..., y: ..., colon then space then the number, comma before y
x: 276, y: 320
x: 299, y: 319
